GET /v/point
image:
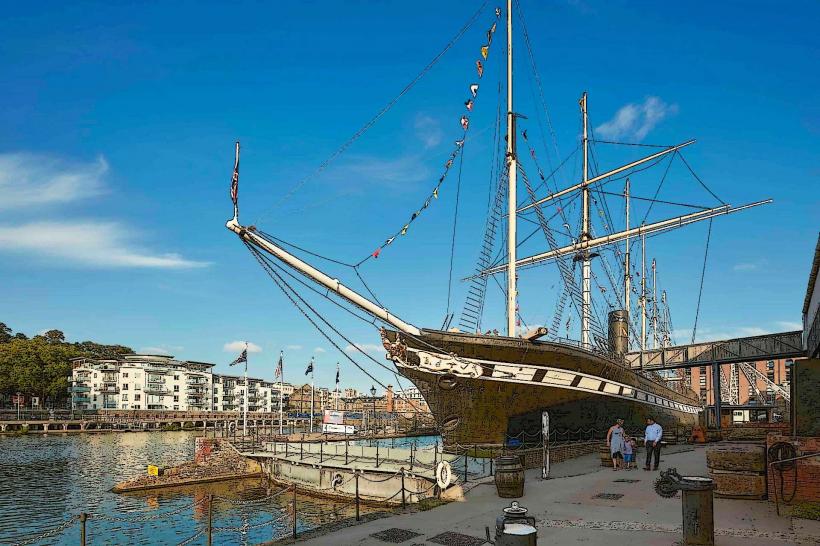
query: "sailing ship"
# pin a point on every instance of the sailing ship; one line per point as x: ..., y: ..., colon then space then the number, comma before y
x: 489, y: 388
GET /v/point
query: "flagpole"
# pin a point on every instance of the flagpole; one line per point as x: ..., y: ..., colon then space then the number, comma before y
x: 312, y: 383
x: 281, y: 390
x: 336, y: 405
x: 247, y: 393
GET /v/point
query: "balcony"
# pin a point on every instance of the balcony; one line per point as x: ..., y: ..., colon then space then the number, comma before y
x: 110, y: 389
x: 81, y: 400
x: 156, y: 389
x: 196, y: 389
x: 79, y: 388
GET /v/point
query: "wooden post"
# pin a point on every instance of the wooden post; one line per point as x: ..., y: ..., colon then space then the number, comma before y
x: 210, y: 518
x: 294, y: 510
x: 321, y: 451
x: 377, y: 454
x: 403, y: 500
x: 357, y: 496
x: 83, y: 517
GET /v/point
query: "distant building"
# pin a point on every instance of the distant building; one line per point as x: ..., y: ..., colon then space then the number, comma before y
x: 157, y: 382
x: 811, y: 309
x: 777, y: 371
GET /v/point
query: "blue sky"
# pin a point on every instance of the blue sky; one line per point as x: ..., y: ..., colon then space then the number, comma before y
x: 118, y: 122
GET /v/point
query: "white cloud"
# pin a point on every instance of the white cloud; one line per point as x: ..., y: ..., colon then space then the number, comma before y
x: 789, y: 325
x: 36, y: 179
x: 319, y: 350
x: 635, y: 121
x: 239, y: 346
x: 293, y: 347
x: 744, y: 267
x: 154, y: 351
x: 366, y: 347
x: 428, y: 130
x: 87, y: 243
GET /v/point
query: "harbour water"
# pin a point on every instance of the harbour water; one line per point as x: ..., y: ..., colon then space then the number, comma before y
x: 47, y: 479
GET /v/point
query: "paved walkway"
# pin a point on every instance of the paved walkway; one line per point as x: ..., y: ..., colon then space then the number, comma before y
x: 567, y: 513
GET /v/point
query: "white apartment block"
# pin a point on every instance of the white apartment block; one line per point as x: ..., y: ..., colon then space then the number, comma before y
x: 161, y: 383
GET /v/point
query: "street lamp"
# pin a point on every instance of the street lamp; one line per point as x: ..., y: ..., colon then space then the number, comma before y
x: 373, y: 396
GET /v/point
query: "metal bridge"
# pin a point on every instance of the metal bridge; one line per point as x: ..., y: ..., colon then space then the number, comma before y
x: 730, y: 351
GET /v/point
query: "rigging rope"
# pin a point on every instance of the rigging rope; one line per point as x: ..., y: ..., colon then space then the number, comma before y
x: 455, y: 223
x: 702, y: 275
x: 381, y: 112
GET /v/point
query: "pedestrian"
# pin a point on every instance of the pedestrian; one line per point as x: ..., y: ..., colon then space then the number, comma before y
x: 652, y: 440
x: 629, y: 452
x: 615, y: 442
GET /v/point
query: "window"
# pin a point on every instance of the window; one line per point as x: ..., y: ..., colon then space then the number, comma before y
x: 216, y: 391
x: 138, y: 374
x: 124, y: 397
x: 216, y: 400
x: 136, y: 406
x: 137, y: 387
x: 125, y: 406
x: 176, y: 398
x: 137, y: 397
x: 770, y: 364
x: 176, y: 378
x: 125, y: 386
x: 176, y: 407
x: 95, y: 376
x: 176, y: 388
x: 125, y: 374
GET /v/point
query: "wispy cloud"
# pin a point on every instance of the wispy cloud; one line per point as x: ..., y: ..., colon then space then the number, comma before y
x: 635, y: 121
x: 318, y: 350
x: 87, y: 243
x: 744, y: 267
x: 28, y: 180
x: 428, y: 130
x: 293, y: 347
x: 366, y: 347
x: 237, y: 346
x: 789, y: 325
x: 154, y: 351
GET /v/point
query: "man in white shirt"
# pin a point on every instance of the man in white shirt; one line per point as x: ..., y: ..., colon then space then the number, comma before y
x: 652, y: 441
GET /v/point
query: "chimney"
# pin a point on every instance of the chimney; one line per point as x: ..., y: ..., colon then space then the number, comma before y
x: 388, y: 395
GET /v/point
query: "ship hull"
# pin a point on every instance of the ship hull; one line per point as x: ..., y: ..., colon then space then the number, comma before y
x: 491, y: 390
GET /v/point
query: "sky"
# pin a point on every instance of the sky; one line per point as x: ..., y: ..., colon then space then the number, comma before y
x: 116, y: 148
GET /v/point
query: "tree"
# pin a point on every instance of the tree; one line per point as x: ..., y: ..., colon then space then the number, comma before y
x: 5, y: 333
x: 54, y: 336
x: 20, y: 335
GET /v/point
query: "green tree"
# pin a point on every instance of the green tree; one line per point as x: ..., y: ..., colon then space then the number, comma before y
x: 54, y: 336
x: 5, y: 333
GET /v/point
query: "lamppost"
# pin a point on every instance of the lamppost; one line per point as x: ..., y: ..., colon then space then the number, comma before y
x: 373, y: 396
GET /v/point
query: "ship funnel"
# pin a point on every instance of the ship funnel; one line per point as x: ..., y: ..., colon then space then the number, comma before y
x: 618, y: 332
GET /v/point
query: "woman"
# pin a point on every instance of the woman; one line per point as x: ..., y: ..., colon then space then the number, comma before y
x: 615, y: 442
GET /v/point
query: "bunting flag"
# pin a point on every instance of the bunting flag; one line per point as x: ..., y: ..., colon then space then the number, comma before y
x: 310, y: 367
x: 464, y: 121
x: 337, y: 373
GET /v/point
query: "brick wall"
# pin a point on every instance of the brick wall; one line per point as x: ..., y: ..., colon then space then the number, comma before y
x: 534, y: 458
x: 808, y: 471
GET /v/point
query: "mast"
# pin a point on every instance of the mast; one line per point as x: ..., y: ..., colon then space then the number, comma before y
x: 512, y: 171
x: 643, y: 292
x: 627, y: 276
x: 585, y: 234
x: 654, y: 307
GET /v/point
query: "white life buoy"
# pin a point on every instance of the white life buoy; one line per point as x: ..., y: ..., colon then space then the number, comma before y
x: 443, y: 474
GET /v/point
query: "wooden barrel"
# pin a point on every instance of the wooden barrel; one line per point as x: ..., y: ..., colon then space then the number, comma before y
x: 606, y: 456
x: 509, y: 477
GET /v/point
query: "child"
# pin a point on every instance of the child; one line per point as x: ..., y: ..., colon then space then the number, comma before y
x: 629, y: 453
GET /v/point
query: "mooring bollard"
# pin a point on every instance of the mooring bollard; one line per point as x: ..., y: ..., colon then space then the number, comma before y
x: 357, y: 495
x: 83, y: 517
x: 698, y: 505
x: 210, y: 518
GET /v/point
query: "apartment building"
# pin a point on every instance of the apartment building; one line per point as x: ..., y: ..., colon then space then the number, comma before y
x: 162, y: 383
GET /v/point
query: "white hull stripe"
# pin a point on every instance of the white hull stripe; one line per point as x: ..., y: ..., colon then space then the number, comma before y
x: 489, y: 370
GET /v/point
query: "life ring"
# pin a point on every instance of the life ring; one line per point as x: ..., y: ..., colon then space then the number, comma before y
x: 443, y: 474
x: 232, y: 426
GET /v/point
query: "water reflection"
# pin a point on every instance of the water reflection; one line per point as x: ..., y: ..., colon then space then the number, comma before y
x: 47, y: 479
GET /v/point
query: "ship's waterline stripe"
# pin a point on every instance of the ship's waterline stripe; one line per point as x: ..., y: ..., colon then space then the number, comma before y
x: 548, y: 377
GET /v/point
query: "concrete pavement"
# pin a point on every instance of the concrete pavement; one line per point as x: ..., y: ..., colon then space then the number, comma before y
x: 568, y: 513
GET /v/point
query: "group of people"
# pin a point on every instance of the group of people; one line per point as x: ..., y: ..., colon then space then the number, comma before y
x: 622, y: 446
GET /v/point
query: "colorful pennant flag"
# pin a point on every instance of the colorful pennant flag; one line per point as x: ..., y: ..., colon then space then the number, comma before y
x: 498, y: 12
x: 469, y: 104
x: 404, y: 229
x: 377, y: 252
x: 480, y: 68
x: 459, y: 143
x: 435, y: 193
x: 465, y: 122
x: 485, y: 51
x: 474, y: 89
x: 243, y: 357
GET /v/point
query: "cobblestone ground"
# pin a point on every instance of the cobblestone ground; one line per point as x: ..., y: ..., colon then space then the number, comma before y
x: 583, y: 503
